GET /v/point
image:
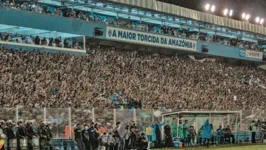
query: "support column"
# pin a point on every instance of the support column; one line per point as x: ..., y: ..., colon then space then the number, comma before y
x: 240, y: 117
x: 263, y: 115
x: 84, y: 43
x: 152, y: 119
x: 114, y: 117
x: 93, y: 115
x: 210, y: 118
x: 69, y: 122
x: 16, y: 113
x: 44, y: 115
x: 236, y: 128
x: 228, y: 120
x: 135, y: 115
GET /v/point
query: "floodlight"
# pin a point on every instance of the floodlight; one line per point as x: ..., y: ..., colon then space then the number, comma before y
x: 213, y: 8
x: 257, y: 19
x: 207, y: 7
x: 243, y: 15
x: 231, y: 13
x: 225, y: 12
x: 247, y: 17
x: 261, y: 21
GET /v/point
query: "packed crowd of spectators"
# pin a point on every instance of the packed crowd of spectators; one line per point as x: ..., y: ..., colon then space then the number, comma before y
x: 107, y: 78
x: 42, y: 41
x: 131, y: 24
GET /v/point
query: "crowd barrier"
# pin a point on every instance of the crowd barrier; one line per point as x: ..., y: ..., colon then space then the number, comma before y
x: 64, y: 119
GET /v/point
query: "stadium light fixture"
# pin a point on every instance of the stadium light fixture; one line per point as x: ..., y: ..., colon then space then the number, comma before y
x: 231, y: 13
x: 247, y: 17
x: 226, y: 12
x: 261, y: 21
x: 207, y: 7
x: 213, y: 8
x: 257, y: 20
x: 243, y: 15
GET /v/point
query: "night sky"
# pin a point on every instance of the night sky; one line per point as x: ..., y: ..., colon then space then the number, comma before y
x: 253, y: 7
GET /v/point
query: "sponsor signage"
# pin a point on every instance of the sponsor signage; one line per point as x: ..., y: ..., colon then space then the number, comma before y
x: 149, y: 39
x: 242, y: 53
x: 254, y: 54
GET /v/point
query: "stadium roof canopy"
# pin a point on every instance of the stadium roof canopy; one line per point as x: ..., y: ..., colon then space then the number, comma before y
x: 34, y: 32
x: 156, y: 12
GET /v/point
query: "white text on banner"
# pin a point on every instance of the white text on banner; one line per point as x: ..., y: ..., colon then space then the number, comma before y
x: 149, y: 39
x: 254, y: 54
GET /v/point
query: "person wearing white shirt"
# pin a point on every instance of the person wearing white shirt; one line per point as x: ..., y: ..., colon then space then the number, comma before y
x: 253, y: 129
x: 103, y: 140
x: 110, y: 142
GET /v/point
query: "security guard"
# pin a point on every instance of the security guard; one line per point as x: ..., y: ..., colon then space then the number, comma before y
x: 43, y: 134
x: 85, y: 137
x: 10, y: 134
x: 30, y: 134
x: 78, y: 136
x: 21, y: 133
x: 49, y: 135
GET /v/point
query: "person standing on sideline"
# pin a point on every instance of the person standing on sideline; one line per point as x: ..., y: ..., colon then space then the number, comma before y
x: 92, y: 140
x: 180, y: 131
x: 174, y: 128
x: 156, y: 133
x: 86, y: 138
x: 78, y: 136
x: 133, y: 135
x: 207, y: 132
x: 126, y: 137
x: 253, y: 129
x: 168, y: 137
x: 185, y: 131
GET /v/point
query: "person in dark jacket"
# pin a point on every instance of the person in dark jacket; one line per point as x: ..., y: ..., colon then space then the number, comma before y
x: 30, y: 134
x: 92, y: 137
x: 49, y: 135
x: 85, y: 137
x: 21, y: 133
x: 78, y: 136
x: 10, y: 134
x: 168, y: 137
x: 43, y: 134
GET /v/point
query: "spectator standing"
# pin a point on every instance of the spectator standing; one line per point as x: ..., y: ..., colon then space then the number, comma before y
x: 207, y: 132
x: 253, y: 131
x: 156, y: 133
x: 167, y: 133
x: 174, y: 127
x: 78, y: 136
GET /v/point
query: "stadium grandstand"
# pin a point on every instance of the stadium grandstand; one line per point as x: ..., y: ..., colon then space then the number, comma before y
x: 131, y: 74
